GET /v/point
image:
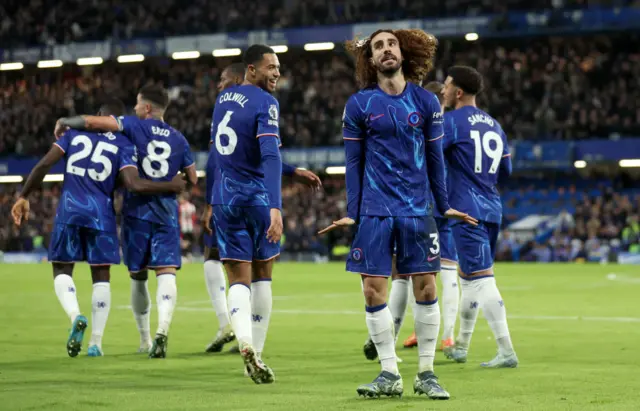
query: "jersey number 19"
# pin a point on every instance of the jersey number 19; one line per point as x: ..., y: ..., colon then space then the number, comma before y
x: 484, y: 145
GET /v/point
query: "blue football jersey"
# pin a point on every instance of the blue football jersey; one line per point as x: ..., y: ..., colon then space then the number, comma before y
x: 162, y: 152
x: 474, y: 146
x: 395, y: 131
x: 93, y: 161
x: 241, y: 116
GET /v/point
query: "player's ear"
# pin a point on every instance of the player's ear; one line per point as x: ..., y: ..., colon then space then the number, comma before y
x: 251, y: 69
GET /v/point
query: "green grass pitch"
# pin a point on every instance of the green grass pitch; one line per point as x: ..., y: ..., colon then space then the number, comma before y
x: 576, y: 329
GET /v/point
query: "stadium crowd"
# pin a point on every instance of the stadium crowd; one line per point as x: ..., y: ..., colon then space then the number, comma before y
x: 597, y: 226
x: 543, y: 88
x: 565, y: 88
x: 50, y: 22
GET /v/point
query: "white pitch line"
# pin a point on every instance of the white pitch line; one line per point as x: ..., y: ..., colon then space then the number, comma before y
x: 361, y: 313
x: 622, y: 278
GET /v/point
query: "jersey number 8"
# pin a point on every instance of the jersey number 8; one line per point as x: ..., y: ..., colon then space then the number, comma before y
x: 225, y: 130
x: 495, y: 154
x: 97, y: 158
x: 160, y: 158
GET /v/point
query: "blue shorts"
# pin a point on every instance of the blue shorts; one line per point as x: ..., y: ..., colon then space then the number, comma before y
x: 476, y: 245
x: 73, y: 243
x: 211, y: 240
x: 415, y: 239
x: 242, y: 233
x: 447, y: 244
x: 150, y: 245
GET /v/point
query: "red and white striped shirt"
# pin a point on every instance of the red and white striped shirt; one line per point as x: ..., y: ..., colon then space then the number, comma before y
x: 187, y: 213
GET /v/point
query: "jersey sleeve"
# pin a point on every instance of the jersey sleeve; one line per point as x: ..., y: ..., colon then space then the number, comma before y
x: 434, y: 121
x: 449, y: 131
x: 505, y: 151
x: 269, y: 118
x: 64, y: 140
x: 128, y: 157
x: 506, y: 165
x: 434, y: 133
x: 353, y: 127
x: 187, y: 157
x: 128, y: 124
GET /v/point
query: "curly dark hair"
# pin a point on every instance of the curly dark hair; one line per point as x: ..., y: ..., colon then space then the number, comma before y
x: 418, y: 51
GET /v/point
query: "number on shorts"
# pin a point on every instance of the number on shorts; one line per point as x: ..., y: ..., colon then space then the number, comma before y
x: 436, y: 244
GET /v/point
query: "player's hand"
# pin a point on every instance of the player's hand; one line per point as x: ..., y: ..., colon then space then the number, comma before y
x: 307, y: 178
x: 457, y: 215
x: 343, y: 222
x: 206, y: 218
x: 60, y: 129
x: 179, y: 183
x: 20, y: 211
x: 274, y: 233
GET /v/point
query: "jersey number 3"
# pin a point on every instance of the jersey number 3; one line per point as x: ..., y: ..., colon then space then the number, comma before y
x: 484, y: 145
x: 224, y: 130
x: 96, y: 158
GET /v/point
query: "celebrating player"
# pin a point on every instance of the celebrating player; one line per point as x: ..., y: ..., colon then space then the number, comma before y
x: 399, y: 295
x: 247, y: 200
x: 85, y: 223
x: 478, y: 156
x: 233, y: 75
x: 393, y: 137
x: 448, y: 269
x: 150, y: 233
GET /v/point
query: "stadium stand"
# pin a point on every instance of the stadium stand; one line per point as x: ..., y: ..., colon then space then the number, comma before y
x: 50, y: 22
x: 564, y: 87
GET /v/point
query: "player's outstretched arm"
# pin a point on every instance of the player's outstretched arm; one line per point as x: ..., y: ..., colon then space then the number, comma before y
x: 90, y: 123
x: 302, y: 176
x: 354, y: 151
x: 132, y: 181
x: 20, y: 210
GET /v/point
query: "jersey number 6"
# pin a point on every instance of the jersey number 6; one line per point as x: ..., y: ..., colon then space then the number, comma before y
x: 225, y: 130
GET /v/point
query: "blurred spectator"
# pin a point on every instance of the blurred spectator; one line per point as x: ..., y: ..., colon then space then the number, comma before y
x: 565, y: 88
x: 631, y: 235
x: 187, y: 221
x: 49, y: 22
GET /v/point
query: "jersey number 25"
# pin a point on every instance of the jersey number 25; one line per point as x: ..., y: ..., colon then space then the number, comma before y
x: 96, y: 158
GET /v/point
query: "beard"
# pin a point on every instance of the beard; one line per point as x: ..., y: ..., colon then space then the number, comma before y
x: 389, y: 70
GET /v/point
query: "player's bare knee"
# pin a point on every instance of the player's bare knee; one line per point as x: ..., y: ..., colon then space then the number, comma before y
x: 425, y: 287
x: 140, y: 275
x: 238, y: 272
x: 100, y: 273
x: 262, y: 270
x: 375, y: 290
x: 62, y: 268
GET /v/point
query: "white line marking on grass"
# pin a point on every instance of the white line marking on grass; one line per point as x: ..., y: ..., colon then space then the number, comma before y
x: 361, y: 313
x: 622, y: 278
x: 284, y: 298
